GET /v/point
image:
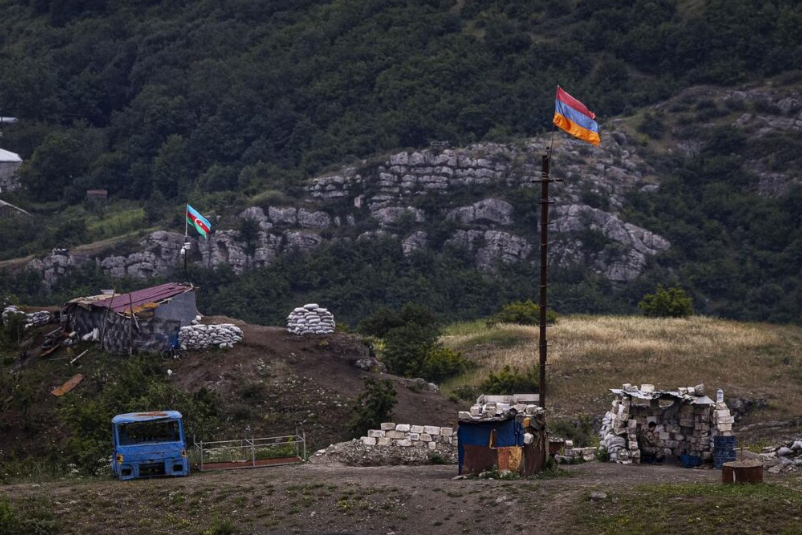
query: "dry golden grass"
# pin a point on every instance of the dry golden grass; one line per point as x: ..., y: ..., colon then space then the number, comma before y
x: 589, y: 354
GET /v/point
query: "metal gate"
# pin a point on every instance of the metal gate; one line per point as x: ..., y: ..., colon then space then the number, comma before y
x: 249, y: 452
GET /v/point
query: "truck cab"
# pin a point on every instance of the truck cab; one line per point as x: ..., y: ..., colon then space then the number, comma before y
x: 148, y: 444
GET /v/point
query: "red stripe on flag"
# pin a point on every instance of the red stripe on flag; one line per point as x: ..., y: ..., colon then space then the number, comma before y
x: 197, y: 222
x: 574, y: 103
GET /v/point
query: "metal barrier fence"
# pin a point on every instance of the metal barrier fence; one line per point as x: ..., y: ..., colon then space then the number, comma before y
x: 249, y: 452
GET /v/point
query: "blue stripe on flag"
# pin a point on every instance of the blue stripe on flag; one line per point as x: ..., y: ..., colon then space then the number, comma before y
x: 576, y: 117
x: 198, y: 215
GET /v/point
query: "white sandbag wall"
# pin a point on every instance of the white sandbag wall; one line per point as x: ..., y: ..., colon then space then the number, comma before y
x: 310, y: 319
x: 32, y: 319
x: 224, y: 336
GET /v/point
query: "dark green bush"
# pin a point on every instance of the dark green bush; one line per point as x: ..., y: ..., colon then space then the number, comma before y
x: 373, y: 406
x: 442, y: 363
x: 522, y: 313
x: 671, y: 303
x: 407, y: 348
x: 508, y: 382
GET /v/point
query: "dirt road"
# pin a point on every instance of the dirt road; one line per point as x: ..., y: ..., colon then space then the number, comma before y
x: 329, y: 499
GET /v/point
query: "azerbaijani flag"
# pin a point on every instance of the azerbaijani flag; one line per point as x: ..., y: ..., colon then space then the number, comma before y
x: 200, y: 223
x: 575, y: 118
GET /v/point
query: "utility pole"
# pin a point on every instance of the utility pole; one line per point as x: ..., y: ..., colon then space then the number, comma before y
x: 544, y: 271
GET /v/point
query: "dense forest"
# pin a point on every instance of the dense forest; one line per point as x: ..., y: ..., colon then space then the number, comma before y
x: 220, y: 100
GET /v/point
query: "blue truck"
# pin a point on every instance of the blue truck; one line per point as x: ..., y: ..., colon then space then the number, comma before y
x: 148, y: 444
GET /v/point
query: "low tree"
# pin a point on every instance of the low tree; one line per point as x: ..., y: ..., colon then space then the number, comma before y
x: 522, y: 313
x: 671, y: 303
x: 373, y: 406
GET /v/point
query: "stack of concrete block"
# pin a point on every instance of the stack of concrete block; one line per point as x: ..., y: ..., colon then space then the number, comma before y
x: 490, y: 407
x: 686, y: 421
x: 310, y: 319
x: 412, y: 436
x: 224, y: 336
x: 723, y: 420
x: 32, y: 319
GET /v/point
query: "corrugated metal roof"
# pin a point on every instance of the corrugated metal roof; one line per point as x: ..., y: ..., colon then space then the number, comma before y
x: 138, y: 299
x: 145, y: 417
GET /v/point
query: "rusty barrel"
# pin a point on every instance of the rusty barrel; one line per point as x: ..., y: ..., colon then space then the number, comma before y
x: 745, y: 471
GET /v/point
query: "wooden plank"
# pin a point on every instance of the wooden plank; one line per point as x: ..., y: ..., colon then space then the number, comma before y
x: 69, y: 385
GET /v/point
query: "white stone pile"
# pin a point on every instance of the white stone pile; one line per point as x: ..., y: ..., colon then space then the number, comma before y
x: 413, y: 436
x: 490, y: 407
x: 783, y: 457
x: 32, y: 319
x: 224, y: 336
x: 310, y: 319
x: 570, y: 454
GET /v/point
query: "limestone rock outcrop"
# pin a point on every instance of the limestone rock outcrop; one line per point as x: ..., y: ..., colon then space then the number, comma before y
x: 407, y: 195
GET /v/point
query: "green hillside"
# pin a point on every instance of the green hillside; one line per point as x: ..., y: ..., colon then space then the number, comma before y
x: 224, y: 102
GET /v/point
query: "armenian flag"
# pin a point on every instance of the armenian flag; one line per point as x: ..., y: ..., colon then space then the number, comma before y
x: 200, y: 223
x: 575, y: 118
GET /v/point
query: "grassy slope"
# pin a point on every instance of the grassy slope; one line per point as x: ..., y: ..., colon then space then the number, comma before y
x: 589, y: 354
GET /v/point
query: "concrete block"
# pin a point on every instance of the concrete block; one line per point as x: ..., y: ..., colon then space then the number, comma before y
x: 395, y: 434
x: 405, y: 443
x: 369, y: 441
x: 414, y: 436
x: 432, y: 430
x: 387, y: 427
x: 447, y: 432
x: 384, y: 441
x: 402, y: 427
x: 426, y: 437
x: 375, y: 433
x: 416, y: 428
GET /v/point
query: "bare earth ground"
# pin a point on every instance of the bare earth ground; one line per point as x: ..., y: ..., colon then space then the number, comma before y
x: 331, y: 498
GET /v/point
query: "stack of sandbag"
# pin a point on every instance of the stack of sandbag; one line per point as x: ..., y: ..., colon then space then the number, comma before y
x: 32, y: 319
x: 310, y: 319
x: 224, y: 336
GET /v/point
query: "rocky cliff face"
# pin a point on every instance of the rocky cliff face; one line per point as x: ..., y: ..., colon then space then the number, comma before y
x: 474, y: 191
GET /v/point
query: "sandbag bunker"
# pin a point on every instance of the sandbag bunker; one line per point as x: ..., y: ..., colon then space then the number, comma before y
x: 310, y: 319
x: 688, y: 425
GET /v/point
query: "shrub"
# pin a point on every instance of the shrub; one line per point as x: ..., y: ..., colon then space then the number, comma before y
x: 579, y: 430
x: 380, y: 323
x: 385, y: 320
x: 373, y: 406
x: 508, y: 382
x: 522, y: 313
x: 32, y: 517
x: 406, y: 349
x: 442, y: 363
x: 671, y: 303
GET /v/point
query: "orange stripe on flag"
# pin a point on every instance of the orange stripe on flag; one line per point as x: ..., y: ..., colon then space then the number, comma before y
x: 575, y: 130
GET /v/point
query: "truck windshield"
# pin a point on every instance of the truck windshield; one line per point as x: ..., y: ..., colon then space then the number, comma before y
x: 149, y: 432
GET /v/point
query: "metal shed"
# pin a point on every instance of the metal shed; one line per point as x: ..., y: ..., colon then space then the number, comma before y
x: 503, y: 435
x: 143, y: 320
